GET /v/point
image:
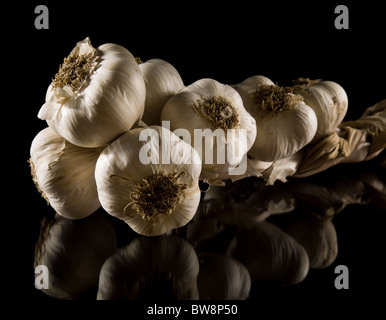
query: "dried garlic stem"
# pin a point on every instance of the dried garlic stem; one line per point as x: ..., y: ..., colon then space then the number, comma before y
x: 75, y: 70
x: 138, y: 60
x: 158, y: 194
x: 218, y: 111
x: 275, y: 98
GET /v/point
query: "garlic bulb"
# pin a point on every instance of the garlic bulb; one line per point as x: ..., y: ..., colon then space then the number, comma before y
x: 159, y: 268
x: 97, y: 95
x: 162, y: 82
x: 285, y: 124
x: 152, y: 194
x: 64, y: 174
x: 209, y: 109
x: 329, y: 101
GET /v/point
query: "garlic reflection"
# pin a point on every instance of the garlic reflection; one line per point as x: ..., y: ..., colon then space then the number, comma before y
x: 246, y: 202
x: 319, y: 239
x: 73, y: 252
x: 325, y: 200
x: 270, y: 254
x: 376, y: 187
x: 222, y: 278
x: 160, y: 268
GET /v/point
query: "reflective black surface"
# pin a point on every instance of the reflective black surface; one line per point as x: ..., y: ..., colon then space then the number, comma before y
x: 247, y: 240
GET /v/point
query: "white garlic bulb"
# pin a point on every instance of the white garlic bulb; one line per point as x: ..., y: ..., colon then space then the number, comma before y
x: 162, y: 82
x: 213, y: 112
x: 285, y: 124
x: 97, y: 95
x: 329, y: 101
x: 151, y: 185
x: 64, y: 174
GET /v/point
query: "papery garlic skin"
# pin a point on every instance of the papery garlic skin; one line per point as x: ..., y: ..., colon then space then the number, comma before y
x: 64, y: 173
x: 162, y: 81
x: 120, y: 173
x: 182, y: 110
x: 329, y: 101
x: 108, y: 102
x: 282, y: 132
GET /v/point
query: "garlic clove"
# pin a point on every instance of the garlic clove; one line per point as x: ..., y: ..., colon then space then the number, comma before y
x: 155, y: 197
x: 97, y: 95
x: 162, y: 82
x: 64, y: 174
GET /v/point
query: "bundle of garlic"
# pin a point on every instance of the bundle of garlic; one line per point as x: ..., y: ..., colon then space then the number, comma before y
x: 209, y: 109
x: 253, y: 128
x: 64, y: 174
x: 151, y: 185
x: 96, y: 95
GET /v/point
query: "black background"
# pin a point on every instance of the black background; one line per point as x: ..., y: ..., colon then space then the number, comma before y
x: 228, y: 41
